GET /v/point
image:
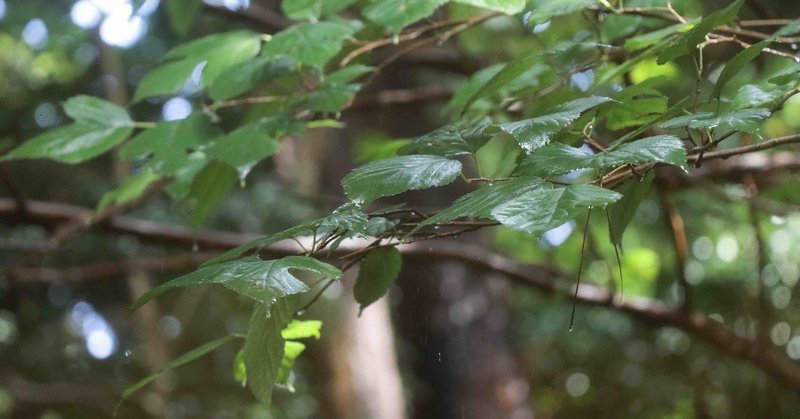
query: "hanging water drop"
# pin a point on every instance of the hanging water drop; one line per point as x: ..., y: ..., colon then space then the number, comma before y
x: 396, y: 39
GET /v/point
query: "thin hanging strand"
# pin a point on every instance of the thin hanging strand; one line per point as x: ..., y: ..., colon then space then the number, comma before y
x: 616, y: 253
x: 580, y: 268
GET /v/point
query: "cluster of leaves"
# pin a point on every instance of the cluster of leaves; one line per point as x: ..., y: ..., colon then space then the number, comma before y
x: 544, y: 181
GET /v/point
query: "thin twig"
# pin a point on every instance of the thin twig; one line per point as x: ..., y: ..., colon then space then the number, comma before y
x: 580, y: 269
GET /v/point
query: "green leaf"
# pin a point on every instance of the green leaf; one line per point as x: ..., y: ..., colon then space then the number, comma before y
x: 687, y: 42
x: 499, y: 157
x: 313, y: 44
x: 481, y: 202
x: 291, y: 351
x: 540, y: 210
x: 266, y: 281
x: 750, y: 53
x: 467, y: 90
x: 302, y: 329
x: 452, y: 140
x: 167, y: 79
x: 637, y: 105
x: 378, y: 271
x: 510, y: 72
x: 741, y: 120
x: 244, y: 147
x: 217, y: 53
x: 297, y: 329
x: 397, y: 14
x: 558, y: 159
x: 754, y: 96
x: 177, y: 362
x: 629, y: 64
x: 208, y: 189
x: 548, y: 9
x: 698, y: 33
x: 93, y: 111
x: 183, y: 176
x: 182, y: 14
x: 509, y: 7
x: 313, y: 9
x: 243, y: 78
x: 131, y: 188
x: 99, y: 126
x: 652, y: 38
x: 397, y: 175
x: 536, y: 132
x: 74, y: 143
x: 239, y: 369
x: 332, y: 98
x: 787, y: 76
x: 675, y: 109
x: 348, y: 217
x: 264, y: 347
x: 737, y: 63
x: 168, y: 143
x: 621, y: 212
x: 346, y: 74
x: 260, y: 243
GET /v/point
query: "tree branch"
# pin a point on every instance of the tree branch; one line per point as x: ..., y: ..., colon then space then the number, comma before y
x: 679, y: 241
x: 546, y: 279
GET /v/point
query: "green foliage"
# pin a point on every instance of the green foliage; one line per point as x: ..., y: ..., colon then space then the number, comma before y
x: 621, y: 212
x: 184, y: 359
x: 509, y: 7
x: 558, y: 158
x: 497, y: 79
x: 216, y: 54
x: 687, y: 42
x: 747, y: 120
x: 397, y: 175
x: 544, y: 10
x: 376, y: 275
x: 266, y: 281
x: 292, y: 350
x: 543, y: 209
x: 167, y: 143
x: 310, y: 43
x: 482, y: 201
x: 534, y: 133
x: 313, y: 9
x: 517, y: 123
x: 244, y: 147
x: 397, y: 14
x: 264, y: 347
x: 452, y: 140
x: 133, y: 187
x: 99, y: 126
x: 182, y: 13
x: 209, y: 187
x: 243, y: 78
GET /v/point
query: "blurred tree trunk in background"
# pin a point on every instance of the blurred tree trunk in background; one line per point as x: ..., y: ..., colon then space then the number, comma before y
x: 364, y: 377
x: 460, y: 322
